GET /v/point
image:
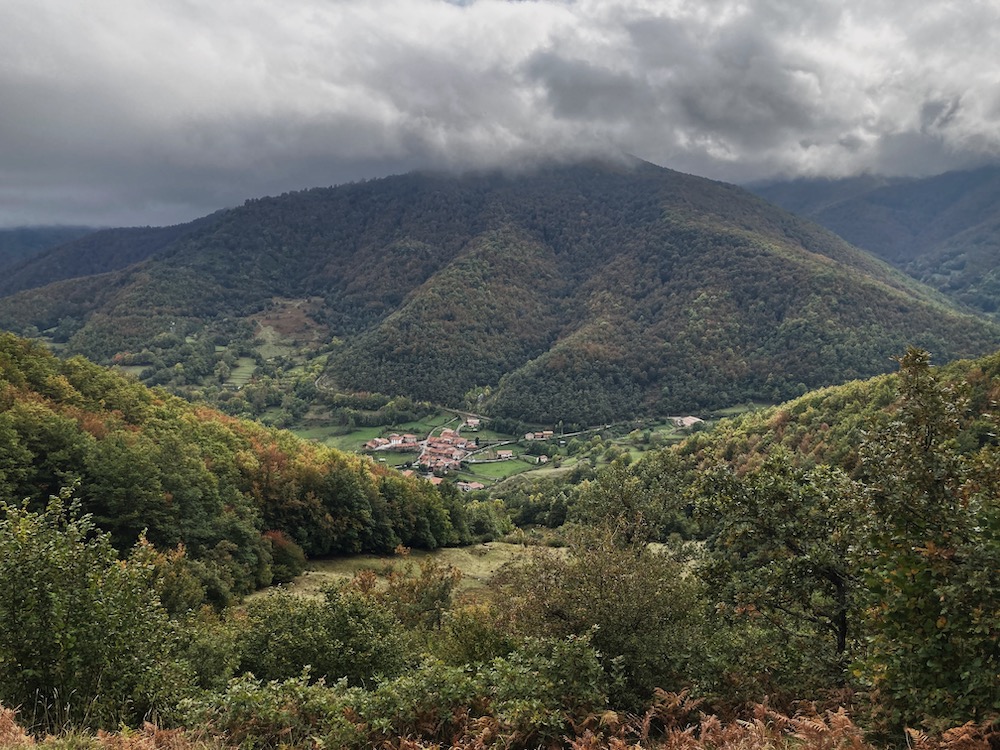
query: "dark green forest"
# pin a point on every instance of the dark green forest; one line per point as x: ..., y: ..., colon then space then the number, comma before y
x: 21, y: 243
x: 584, y: 293
x: 943, y: 230
x: 704, y: 588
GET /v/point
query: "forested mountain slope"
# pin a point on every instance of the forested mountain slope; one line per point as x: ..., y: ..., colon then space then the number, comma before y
x: 829, y: 425
x: 93, y: 253
x: 580, y: 293
x: 20, y: 243
x: 943, y: 230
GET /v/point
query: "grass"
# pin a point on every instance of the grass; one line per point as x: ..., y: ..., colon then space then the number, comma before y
x: 270, y: 343
x: 332, y: 436
x: 498, y: 469
x: 488, y: 436
x: 135, y: 370
x: 242, y: 372
x: 478, y: 564
x: 395, y: 458
x: 733, y: 411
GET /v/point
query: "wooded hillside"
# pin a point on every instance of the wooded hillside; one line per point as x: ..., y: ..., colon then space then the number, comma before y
x: 244, y: 502
x: 943, y: 230
x: 579, y: 293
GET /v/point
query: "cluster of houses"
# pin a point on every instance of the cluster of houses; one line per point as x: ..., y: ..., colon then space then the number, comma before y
x: 445, y: 452
x: 394, y: 443
x: 543, y: 435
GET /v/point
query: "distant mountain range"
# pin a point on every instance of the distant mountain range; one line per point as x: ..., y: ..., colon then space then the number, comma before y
x: 20, y: 243
x: 581, y: 293
x: 943, y: 230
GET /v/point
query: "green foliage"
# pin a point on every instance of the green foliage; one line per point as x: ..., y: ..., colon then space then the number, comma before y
x: 420, y: 601
x: 208, y: 644
x: 530, y: 698
x: 546, y: 682
x: 83, y: 638
x: 147, y: 463
x: 933, y: 574
x: 294, y: 712
x: 430, y: 700
x: 643, y: 503
x: 344, y: 635
x: 473, y: 634
x: 643, y: 612
x: 778, y: 557
x: 288, y: 560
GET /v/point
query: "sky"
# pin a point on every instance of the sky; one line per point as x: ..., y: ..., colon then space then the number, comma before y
x: 151, y: 112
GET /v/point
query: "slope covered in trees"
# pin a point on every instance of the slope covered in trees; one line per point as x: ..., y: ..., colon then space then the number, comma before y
x: 828, y: 426
x: 92, y: 252
x: 943, y: 230
x: 243, y: 502
x: 20, y: 243
x: 579, y: 293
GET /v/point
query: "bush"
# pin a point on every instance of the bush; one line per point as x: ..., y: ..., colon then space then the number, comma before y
x: 84, y: 641
x: 288, y: 560
x: 344, y: 635
x: 289, y: 713
x: 645, y: 612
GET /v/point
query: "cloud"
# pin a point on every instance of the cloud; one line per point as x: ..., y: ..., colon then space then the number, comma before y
x: 161, y: 110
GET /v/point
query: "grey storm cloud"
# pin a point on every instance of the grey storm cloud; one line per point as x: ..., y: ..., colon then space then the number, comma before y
x: 156, y: 111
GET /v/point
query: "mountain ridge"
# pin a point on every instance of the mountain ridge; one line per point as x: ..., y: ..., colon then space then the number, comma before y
x: 943, y: 230
x: 582, y: 292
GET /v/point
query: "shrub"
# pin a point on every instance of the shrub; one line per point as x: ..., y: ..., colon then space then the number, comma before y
x: 289, y: 713
x: 83, y: 638
x: 345, y: 634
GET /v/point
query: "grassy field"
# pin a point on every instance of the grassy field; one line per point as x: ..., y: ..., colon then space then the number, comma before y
x: 240, y: 374
x: 734, y: 411
x: 394, y: 458
x: 498, y: 469
x: 332, y: 436
x: 135, y: 370
x: 478, y: 564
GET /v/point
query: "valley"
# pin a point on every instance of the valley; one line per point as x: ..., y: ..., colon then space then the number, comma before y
x: 498, y: 460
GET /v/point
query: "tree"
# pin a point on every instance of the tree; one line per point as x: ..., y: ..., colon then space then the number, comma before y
x: 644, y: 502
x: 346, y: 634
x: 83, y: 638
x: 932, y: 572
x: 643, y: 612
x: 779, y: 550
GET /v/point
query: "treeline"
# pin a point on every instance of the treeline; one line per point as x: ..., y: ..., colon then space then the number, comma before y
x: 243, y: 501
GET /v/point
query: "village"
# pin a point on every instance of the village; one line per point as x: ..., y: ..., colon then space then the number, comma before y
x: 446, y: 452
